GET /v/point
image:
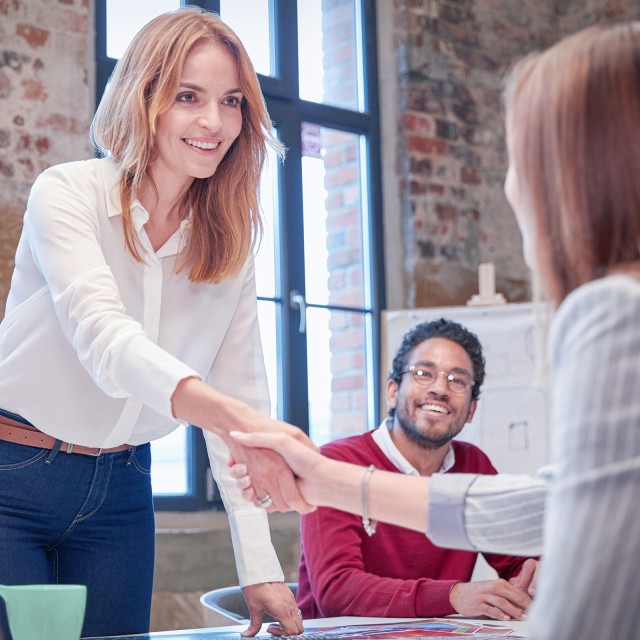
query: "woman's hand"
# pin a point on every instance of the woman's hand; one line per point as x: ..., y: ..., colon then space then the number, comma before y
x: 276, y: 599
x: 304, y: 462
x: 273, y: 485
x: 323, y: 482
x: 199, y: 404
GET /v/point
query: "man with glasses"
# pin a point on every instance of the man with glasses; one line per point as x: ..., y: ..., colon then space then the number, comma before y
x: 383, y: 570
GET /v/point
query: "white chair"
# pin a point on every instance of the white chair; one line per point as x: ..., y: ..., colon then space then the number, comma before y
x: 229, y: 602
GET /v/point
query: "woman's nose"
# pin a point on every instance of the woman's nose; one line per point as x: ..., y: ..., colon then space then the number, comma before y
x: 209, y: 117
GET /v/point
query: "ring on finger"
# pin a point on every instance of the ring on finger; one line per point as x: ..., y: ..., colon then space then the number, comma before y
x: 265, y: 501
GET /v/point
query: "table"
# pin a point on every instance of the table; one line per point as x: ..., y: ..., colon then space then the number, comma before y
x: 232, y: 632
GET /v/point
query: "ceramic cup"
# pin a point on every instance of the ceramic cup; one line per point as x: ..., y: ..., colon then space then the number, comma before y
x: 45, y: 611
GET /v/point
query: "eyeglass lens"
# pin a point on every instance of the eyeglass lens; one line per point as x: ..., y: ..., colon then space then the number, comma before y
x: 426, y: 375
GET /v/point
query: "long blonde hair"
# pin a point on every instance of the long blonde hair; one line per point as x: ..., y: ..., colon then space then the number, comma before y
x: 573, y: 116
x: 226, y: 221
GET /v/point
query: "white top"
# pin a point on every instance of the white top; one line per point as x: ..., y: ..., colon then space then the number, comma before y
x: 93, y: 343
x: 588, y: 586
x: 382, y: 437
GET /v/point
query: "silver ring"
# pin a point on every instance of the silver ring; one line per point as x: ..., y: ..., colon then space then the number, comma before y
x: 265, y: 502
x: 300, y: 614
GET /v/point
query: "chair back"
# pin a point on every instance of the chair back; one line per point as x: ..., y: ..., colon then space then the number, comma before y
x: 230, y: 602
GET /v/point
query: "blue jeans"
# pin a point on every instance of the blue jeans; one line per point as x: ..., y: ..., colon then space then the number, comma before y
x: 78, y: 519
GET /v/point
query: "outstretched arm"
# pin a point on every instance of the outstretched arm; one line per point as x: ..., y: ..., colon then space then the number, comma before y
x: 198, y: 403
x: 391, y: 497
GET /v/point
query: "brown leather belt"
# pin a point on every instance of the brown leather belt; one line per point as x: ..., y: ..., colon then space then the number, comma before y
x: 18, y: 433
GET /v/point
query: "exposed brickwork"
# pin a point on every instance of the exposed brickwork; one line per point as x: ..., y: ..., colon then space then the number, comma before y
x: 46, y: 102
x: 450, y: 132
x: 451, y: 58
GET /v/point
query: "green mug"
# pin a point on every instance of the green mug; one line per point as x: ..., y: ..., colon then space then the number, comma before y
x: 45, y: 611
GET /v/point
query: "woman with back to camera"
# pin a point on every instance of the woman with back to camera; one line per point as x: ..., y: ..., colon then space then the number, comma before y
x: 132, y: 309
x: 573, y: 121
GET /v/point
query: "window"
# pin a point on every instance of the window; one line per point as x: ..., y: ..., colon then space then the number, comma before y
x: 320, y: 265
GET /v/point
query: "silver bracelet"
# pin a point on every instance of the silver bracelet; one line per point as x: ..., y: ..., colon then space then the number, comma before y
x: 368, y: 524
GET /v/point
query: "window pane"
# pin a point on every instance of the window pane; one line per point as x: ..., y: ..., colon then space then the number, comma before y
x: 126, y: 18
x: 265, y: 260
x: 251, y: 21
x: 337, y: 370
x: 333, y: 213
x: 169, y: 468
x: 268, y: 332
x: 330, y: 52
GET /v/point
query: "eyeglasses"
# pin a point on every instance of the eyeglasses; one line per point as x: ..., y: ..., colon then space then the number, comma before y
x: 427, y: 374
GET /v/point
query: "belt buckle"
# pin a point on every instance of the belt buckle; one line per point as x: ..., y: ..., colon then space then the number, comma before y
x: 95, y: 455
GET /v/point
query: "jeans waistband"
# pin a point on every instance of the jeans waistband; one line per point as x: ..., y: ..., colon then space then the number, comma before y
x: 15, y: 416
x: 14, y: 428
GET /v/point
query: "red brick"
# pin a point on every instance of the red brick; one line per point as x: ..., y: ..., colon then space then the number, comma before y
x: 60, y: 122
x: 343, y: 383
x: 470, y: 175
x: 34, y: 90
x: 346, y: 175
x: 34, y: 36
x: 6, y: 169
x: 427, y: 145
x: 418, y: 123
x: 42, y: 144
x: 348, y: 340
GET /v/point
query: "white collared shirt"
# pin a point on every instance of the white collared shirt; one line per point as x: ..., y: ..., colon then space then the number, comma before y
x: 94, y: 343
x: 382, y: 437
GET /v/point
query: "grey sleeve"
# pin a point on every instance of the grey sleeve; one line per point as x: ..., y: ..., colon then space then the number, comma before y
x: 499, y: 514
x: 446, y: 520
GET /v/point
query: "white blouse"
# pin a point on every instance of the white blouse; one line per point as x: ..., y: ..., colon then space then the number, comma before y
x: 93, y: 343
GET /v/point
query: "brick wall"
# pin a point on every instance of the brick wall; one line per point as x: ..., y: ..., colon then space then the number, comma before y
x: 450, y: 142
x: 443, y: 145
x: 447, y: 142
x: 448, y: 136
x: 46, y: 102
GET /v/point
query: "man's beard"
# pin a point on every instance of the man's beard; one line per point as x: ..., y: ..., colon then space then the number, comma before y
x: 411, y: 430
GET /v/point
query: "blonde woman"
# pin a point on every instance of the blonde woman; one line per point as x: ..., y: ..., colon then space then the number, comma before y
x: 573, y: 125
x: 133, y: 310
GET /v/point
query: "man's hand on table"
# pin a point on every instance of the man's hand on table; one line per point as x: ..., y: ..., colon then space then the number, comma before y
x: 526, y: 579
x: 495, y: 599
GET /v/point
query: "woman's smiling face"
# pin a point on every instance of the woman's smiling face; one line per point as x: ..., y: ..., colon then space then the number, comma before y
x: 204, y: 120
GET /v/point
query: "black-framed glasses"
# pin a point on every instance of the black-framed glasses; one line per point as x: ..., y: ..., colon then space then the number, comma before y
x: 458, y: 381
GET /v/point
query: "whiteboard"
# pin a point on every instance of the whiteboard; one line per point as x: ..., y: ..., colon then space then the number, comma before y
x: 511, y: 423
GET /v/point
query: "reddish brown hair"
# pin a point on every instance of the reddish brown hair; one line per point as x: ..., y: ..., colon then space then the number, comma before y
x: 226, y: 221
x: 573, y: 119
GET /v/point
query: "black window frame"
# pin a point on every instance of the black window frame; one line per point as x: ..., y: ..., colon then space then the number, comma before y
x: 289, y: 111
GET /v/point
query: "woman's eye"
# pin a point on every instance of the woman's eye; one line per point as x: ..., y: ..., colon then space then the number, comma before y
x: 186, y: 97
x: 233, y: 101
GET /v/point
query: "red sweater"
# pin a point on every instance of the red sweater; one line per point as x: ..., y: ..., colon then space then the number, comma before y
x: 396, y: 572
